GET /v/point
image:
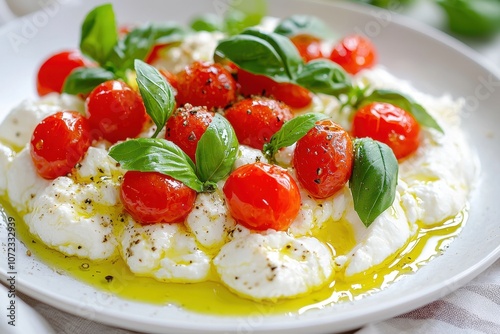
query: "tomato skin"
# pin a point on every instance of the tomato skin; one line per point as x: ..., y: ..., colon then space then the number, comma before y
x: 290, y: 94
x: 115, y: 111
x: 186, y: 126
x: 390, y: 125
x: 59, y: 142
x: 354, y: 53
x: 151, y: 197
x: 262, y: 196
x: 323, y: 159
x: 204, y: 84
x: 309, y: 47
x: 255, y: 120
x: 55, y: 69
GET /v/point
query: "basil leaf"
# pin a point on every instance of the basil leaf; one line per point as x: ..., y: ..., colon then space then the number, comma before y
x: 291, y: 132
x: 244, y: 14
x: 303, y: 25
x: 99, y: 34
x: 324, y: 76
x: 216, y: 151
x: 139, y: 42
x: 156, y: 93
x: 268, y: 54
x: 206, y: 22
x: 403, y: 102
x: 157, y: 155
x: 374, y: 178
x: 84, y: 80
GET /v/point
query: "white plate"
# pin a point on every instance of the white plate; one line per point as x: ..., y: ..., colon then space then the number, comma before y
x: 433, y: 62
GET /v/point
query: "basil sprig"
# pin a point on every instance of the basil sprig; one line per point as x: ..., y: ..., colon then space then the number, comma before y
x: 99, y: 41
x: 215, y: 156
x: 275, y: 56
x: 374, y: 178
x: 404, y: 102
x: 291, y: 132
x: 156, y: 93
x: 303, y: 25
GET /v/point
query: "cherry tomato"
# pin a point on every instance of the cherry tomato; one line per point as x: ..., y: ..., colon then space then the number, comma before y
x: 354, y: 53
x: 256, y: 119
x: 186, y: 126
x: 262, y: 196
x: 390, y: 125
x: 323, y: 159
x: 151, y: 197
x: 59, y: 142
x: 156, y: 52
x: 204, y: 84
x: 115, y: 111
x: 309, y: 47
x: 290, y: 94
x: 55, y: 70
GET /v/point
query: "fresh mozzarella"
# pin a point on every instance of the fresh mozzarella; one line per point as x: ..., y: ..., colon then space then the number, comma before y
x: 6, y: 156
x: 17, y: 128
x: 210, y: 221
x: 248, y: 155
x: 274, y: 265
x: 23, y: 181
x: 74, y: 219
x: 167, y: 252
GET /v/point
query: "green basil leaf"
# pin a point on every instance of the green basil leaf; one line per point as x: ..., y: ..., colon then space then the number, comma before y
x: 139, y: 42
x: 303, y: 25
x: 324, y: 76
x: 99, y: 34
x: 83, y: 80
x: 268, y: 54
x: 291, y: 132
x: 216, y: 151
x: 156, y: 93
x: 157, y: 155
x: 374, y: 178
x: 405, y: 103
x: 206, y: 22
x: 243, y: 14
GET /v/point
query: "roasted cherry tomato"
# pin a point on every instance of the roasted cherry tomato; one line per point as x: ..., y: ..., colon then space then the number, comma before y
x: 256, y: 119
x: 323, y: 159
x: 354, y: 53
x: 308, y: 46
x: 204, y: 84
x: 151, y: 197
x: 186, y: 126
x: 115, y: 111
x: 59, y: 142
x: 262, y: 196
x: 290, y: 94
x: 390, y: 125
x: 55, y: 70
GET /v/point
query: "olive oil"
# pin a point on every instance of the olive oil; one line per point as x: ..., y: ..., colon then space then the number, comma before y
x: 113, y: 275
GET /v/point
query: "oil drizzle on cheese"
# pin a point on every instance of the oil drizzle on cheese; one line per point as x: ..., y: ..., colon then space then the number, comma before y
x: 113, y: 276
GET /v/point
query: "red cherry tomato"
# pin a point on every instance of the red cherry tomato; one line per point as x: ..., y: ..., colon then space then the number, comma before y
x: 323, y: 159
x: 262, y: 196
x: 55, y: 70
x: 204, y: 84
x: 186, y: 126
x: 152, y: 197
x: 390, y: 125
x: 354, y: 53
x: 290, y: 94
x: 115, y: 111
x: 156, y: 53
x: 256, y: 119
x: 59, y: 142
x: 309, y: 47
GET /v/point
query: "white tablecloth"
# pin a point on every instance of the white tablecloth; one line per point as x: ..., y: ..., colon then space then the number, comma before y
x: 474, y: 308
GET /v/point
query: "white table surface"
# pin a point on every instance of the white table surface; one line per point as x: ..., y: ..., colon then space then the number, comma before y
x: 480, y: 320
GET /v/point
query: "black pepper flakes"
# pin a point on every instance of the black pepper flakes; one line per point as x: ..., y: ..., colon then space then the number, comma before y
x: 109, y: 278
